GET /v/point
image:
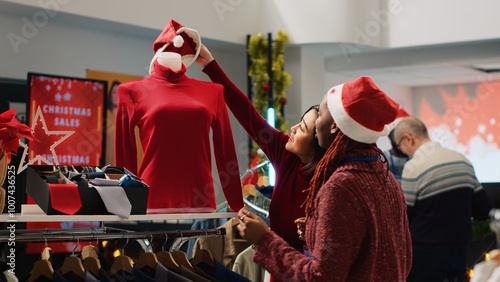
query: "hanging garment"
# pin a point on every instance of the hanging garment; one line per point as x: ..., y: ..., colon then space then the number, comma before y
x: 206, y: 223
x: 163, y: 274
x: 174, y: 114
x: 246, y: 267
x: 223, y: 248
x: 222, y: 273
x: 8, y: 276
x: 193, y: 276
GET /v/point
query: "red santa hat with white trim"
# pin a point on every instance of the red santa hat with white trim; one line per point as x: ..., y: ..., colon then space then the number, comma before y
x: 361, y: 110
x: 401, y: 114
x: 178, y: 39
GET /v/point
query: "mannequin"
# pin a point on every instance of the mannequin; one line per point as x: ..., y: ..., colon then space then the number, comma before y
x: 177, y: 117
x: 170, y: 60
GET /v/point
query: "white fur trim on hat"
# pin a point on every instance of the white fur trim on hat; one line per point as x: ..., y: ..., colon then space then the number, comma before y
x: 187, y: 60
x: 401, y: 114
x: 346, y: 124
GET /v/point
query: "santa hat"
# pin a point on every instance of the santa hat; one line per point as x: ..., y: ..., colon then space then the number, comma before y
x: 178, y: 39
x: 401, y: 114
x: 361, y: 110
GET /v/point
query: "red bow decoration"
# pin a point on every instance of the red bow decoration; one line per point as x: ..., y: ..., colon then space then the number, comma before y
x: 11, y: 130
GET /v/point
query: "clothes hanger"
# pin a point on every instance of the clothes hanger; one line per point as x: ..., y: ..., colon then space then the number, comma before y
x: 263, y: 180
x: 90, y: 259
x: 122, y: 263
x: 249, y: 189
x: 73, y: 264
x: 42, y: 267
x: 203, y: 255
x: 89, y: 250
x: 166, y: 258
x: 181, y: 258
x: 46, y: 252
x: 148, y: 259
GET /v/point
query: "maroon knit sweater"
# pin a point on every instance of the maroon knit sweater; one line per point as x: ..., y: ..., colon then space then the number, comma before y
x: 359, y: 231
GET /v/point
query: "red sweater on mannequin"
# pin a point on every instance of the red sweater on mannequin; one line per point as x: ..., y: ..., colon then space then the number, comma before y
x: 174, y: 114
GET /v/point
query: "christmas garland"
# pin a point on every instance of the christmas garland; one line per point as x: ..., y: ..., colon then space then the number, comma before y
x: 257, y: 52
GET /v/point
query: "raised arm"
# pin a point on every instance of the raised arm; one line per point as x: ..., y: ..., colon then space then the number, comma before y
x: 269, y: 139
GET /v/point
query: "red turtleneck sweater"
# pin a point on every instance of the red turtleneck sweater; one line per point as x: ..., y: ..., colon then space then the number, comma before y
x: 174, y: 115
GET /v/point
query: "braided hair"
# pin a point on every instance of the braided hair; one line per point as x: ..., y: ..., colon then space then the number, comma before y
x: 336, y: 152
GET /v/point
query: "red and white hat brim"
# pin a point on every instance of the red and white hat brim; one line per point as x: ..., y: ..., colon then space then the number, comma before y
x: 347, y: 124
x: 187, y: 60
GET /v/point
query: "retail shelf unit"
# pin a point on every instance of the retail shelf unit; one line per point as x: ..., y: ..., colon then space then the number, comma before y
x: 31, y: 213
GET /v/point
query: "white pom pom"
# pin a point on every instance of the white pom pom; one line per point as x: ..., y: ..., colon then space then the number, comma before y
x: 178, y: 41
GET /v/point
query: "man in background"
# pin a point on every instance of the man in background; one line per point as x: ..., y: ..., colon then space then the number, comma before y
x: 442, y: 195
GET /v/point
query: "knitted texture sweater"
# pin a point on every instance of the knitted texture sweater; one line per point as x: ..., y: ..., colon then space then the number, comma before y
x: 174, y: 115
x: 442, y: 194
x: 290, y: 179
x: 359, y: 231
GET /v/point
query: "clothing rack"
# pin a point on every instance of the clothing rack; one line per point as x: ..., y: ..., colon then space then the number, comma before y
x: 105, y: 233
x: 33, y: 213
x: 255, y: 207
x: 254, y: 168
x: 245, y: 174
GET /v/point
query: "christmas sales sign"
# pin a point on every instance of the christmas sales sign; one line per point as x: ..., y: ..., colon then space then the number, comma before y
x: 67, y: 117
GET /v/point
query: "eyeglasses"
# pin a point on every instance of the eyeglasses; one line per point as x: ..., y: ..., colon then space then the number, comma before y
x: 401, y: 140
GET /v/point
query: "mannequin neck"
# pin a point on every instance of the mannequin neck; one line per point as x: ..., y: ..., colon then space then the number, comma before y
x: 170, y: 60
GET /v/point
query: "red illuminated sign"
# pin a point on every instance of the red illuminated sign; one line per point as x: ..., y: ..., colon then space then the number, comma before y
x: 67, y: 116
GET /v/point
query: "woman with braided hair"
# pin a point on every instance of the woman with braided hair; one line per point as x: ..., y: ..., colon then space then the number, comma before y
x: 356, y: 222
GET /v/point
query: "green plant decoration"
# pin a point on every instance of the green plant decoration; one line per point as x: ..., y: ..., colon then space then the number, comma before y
x: 257, y: 52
